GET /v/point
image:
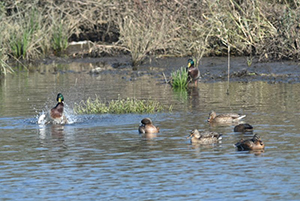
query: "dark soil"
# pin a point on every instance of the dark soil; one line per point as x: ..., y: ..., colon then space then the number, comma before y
x: 213, y: 69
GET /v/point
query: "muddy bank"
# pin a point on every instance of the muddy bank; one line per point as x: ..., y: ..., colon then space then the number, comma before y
x: 213, y: 69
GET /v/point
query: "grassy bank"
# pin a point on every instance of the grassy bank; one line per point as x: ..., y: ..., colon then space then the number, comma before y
x: 268, y: 30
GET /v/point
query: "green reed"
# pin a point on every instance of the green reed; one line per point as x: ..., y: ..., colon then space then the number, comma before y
x: 22, y: 34
x: 59, y: 38
x: 179, y: 78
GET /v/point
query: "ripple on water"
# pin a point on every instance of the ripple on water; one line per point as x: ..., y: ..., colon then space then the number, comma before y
x: 100, y: 157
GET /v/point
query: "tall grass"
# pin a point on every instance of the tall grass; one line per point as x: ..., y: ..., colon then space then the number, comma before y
x: 34, y: 29
x: 268, y: 30
x: 59, y: 38
x: 119, y: 106
x: 4, y: 67
x: 146, y: 30
x: 22, y: 34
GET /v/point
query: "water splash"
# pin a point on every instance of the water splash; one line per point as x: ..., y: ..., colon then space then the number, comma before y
x: 43, y: 117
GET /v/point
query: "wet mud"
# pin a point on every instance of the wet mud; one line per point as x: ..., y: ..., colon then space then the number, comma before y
x: 213, y: 69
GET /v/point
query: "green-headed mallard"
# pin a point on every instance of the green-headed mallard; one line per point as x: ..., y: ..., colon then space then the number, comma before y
x: 224, y: 118
x: 205, y: 137
x: 243, y: 128
x: 250, y: 144
x: 193, y: 72
x: 56, y: 114
x: 147, y: 126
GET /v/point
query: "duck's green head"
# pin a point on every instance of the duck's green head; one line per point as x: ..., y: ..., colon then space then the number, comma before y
x: 60, y: 98
x: 190, y: 63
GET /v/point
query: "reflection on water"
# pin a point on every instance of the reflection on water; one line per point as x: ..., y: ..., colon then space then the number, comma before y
x: 103, y: 156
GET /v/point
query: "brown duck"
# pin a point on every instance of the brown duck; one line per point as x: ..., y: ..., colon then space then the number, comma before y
x: 243, y: 128
x: 147, y: 127
x: 224, y: 118
x: 250, y: 144
x: 205, y: 137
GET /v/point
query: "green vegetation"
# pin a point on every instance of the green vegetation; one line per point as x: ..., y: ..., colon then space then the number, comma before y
x: 264, y: 29
x: 59, y: 38
x: 119, y: 106
x: 22, y: 34
x: 179, y: 78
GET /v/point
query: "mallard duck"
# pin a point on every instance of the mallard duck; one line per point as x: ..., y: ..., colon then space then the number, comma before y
x: 243, y: 128
x: 56, y: 114
x: 224, y: 118
x: 193, y: 72
x: 147, y: 127
x: 250, y: 144
x: 205, y: 137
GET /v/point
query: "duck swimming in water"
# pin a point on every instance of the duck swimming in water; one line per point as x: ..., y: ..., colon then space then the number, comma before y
x: 250, y: 144
x: 224, y: 118
x: 147, y: 127
x: 55, y: 115
x: 243, y: 128
x: 205, y: 137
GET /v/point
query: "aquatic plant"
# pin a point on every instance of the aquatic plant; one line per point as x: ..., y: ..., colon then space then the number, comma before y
x: 119, y: 106
x: 179, y: 78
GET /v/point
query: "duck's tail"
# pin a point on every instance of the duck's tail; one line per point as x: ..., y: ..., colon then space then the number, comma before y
x: 242, y: 116
x: 220, y: 137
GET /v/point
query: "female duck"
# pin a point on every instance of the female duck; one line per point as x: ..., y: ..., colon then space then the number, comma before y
x: 56, y: 114
x: 250, y: 144
x: 147, y: 127
x: 193, y: 72
x: 224, y: 118
x: 243, y: 128
x: 205, y: 137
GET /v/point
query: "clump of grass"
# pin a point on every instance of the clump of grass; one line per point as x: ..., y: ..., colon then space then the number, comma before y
x: 179, y: 78
x: 119, y: 106
x: 59, y: 38
x: 22, y: 34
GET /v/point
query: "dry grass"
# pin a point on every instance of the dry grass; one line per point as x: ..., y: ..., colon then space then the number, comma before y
x: 264, y: 29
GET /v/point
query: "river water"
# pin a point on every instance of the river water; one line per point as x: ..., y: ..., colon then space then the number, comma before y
x: 102, y: 157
